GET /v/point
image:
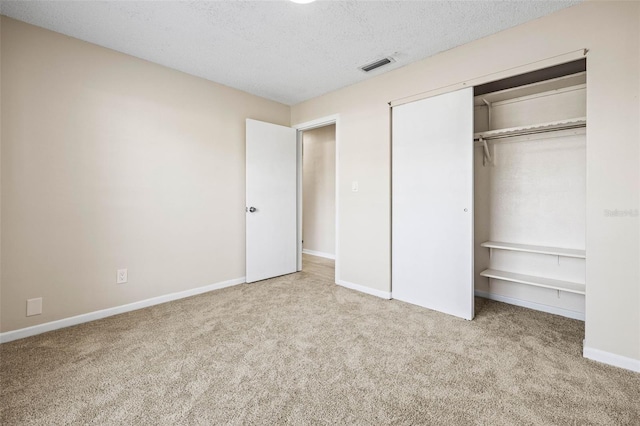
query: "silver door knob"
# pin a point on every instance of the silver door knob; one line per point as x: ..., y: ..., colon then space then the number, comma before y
x: 252, y: 209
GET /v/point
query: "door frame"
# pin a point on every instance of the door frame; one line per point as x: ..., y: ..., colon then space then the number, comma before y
x: 300, y: 128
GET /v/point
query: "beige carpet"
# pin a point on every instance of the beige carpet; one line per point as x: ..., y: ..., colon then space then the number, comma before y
x: 301, y: 350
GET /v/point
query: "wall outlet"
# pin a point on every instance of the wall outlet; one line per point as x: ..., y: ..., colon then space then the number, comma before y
x: 34, y: 306
x: 354, y: 186
x: 122, y: 276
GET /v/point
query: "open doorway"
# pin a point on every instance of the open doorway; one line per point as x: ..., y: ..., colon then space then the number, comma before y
x: 323, y: 148
x: 318, y: 196
x: 274, y: 175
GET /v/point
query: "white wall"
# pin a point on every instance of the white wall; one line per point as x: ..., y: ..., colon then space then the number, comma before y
x: 319, y: 190
x: 111, y: 162
x: 610, y: 30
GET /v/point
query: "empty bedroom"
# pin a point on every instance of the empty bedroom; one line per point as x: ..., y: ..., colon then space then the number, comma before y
x: 320, y: 212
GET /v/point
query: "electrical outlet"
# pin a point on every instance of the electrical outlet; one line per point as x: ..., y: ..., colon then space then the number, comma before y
x: 122, y: 276
x: 34, y: 306
x: 354, y: 186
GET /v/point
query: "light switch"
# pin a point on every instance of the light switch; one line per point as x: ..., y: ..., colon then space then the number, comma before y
x: 354, y: 186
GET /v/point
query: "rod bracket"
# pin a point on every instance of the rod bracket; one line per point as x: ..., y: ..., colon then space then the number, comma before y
x: 487, y: 154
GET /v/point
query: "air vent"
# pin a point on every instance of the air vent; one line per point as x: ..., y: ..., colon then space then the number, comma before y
x: 377, y: 64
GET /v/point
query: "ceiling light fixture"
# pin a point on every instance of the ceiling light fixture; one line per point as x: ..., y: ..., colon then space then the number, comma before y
x: 303, y: 1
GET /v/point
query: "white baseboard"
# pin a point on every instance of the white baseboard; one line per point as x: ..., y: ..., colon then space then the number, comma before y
x: 319, y: 254
x: 92, y: 316
x: 363, y: 289
x: 531, y: 305
x: 611, y: 359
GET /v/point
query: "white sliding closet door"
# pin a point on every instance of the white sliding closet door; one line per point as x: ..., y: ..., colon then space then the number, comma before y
x: 432, y: 225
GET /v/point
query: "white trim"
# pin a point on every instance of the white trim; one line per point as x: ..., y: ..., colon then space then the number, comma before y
x: 611, y: 359
x: 318, y: 122
x: 310, y: 125
x: 510, y: 72
x: 363, y: 289
x: 92, y: 316
x: 319, y: 254
x: 299, y: 199
x: 531, y: 305
x: 337, y: 203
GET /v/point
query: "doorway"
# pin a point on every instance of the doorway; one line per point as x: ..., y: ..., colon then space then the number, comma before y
x: 318, y: 182
x: 318, y: 192
x: 274, y: 198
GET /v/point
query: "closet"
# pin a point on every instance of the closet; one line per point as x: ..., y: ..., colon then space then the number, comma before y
x: 488, y: 195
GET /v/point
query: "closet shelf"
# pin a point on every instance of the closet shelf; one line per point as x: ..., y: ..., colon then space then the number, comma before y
x: 572, y: 123
x: 559, y: 285
x: 556, y: 251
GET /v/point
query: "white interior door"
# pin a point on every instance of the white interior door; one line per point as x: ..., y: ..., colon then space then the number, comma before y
x: 271, y: 167
x: 432, y: 225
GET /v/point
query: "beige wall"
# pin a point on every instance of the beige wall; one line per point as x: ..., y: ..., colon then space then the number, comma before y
x: 112, y: 162
x: 611, y: 33
x: 319, y: 189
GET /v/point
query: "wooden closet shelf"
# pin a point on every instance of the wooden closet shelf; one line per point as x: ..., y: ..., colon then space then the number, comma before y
x: 533, y: 128
x: 556, y: 251
x: 567, y: 286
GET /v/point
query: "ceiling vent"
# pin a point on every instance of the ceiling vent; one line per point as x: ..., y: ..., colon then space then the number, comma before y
x: 377, y: 64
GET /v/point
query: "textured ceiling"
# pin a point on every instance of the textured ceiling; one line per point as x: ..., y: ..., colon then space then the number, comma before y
x: 277, y: 49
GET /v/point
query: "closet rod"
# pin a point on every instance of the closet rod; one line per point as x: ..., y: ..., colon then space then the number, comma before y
x: 553, y: 126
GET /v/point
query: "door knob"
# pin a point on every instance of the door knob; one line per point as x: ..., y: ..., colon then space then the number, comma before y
x: 252, y: 209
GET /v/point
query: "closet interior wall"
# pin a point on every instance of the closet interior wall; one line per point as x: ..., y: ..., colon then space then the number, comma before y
x: 532, y: 192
